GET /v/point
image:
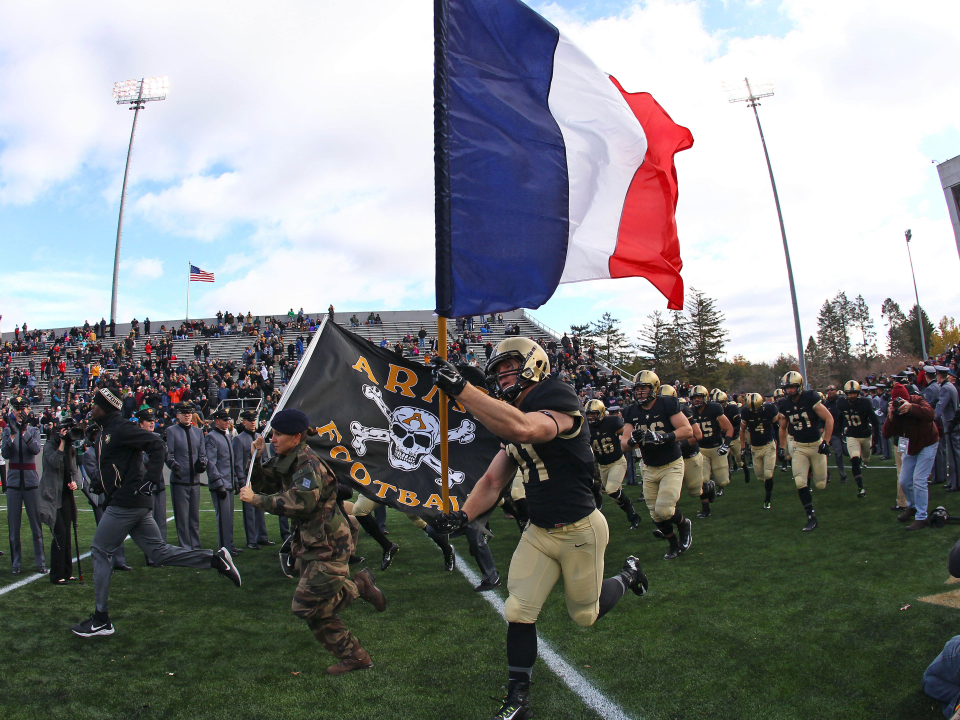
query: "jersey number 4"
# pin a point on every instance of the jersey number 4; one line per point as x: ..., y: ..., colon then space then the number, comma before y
x: 604, y: 446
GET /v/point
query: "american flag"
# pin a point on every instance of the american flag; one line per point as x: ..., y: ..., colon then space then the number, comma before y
x: 200, y: 275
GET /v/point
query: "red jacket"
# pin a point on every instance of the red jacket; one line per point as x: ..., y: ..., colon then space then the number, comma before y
x: 917, y: 425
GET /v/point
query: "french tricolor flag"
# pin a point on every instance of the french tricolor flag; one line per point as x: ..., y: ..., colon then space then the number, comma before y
x: 547, y: 170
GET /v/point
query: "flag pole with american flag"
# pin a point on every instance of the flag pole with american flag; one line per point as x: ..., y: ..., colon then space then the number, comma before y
x: 195, y: 274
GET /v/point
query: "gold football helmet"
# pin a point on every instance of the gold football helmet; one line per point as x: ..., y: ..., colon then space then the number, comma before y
x: 596, y: 411
x: 646, y: 379
x: 699, y: 392
x: 533, y: 366
x: 754, y: 402
x: 778, y: 393
x: 792, y: 381
x: 668, y: 390
x: 718, y: 396
x: 851, y: 387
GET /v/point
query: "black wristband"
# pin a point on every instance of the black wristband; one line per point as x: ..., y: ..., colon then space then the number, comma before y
x: 727, y: 440
x: 670, y: 437
x: 684, y: 444
x: 631, y: 442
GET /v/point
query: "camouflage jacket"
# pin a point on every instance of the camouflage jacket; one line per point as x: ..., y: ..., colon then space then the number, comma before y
x: 300, y: 486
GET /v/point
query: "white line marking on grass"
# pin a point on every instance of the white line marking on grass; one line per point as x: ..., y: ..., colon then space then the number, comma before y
x: 592, y: 698
x: 36, y: 576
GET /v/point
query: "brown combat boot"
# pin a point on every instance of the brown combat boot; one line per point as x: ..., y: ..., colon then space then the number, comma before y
x: 357, y: 660
x: 369, y: 591
x: 907, y: 514
x: 919, y: 525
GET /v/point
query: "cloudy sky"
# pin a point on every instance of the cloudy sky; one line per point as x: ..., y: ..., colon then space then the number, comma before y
x: 293, y: 156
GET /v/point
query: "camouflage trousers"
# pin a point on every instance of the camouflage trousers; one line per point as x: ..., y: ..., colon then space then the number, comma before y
x: 319, y: 597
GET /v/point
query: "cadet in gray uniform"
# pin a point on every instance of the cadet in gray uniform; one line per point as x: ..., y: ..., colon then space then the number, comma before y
x: 97, y: 498
x: 147, y: 420
x: 254, y: 519
x: 220, y: 474
x: 20, y: 446
x: 187, y: 460
x: 947, y: 412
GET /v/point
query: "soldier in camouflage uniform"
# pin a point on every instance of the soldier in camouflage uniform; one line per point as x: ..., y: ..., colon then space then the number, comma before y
x: 296, y: 484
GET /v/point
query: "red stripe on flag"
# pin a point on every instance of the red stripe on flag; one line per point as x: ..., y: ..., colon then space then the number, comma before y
x: 647, y: 243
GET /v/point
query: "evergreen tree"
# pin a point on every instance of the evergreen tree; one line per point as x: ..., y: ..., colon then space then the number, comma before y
x: 833, y: 335
x: 817, y: 369
x: 677, y: 343
x: 913, y: 330
x: 899, y: 341
x: 708, y: 338
x: 866, y: 347
x: 610, y: 341
x: 653, y: 341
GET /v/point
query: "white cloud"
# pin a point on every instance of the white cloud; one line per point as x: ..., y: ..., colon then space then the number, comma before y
x: 142, y: 268
x: 306, y: 128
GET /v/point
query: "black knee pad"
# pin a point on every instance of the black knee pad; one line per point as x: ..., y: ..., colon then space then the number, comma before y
x: 677, y: 518
x: 665, y: 526
x: 855, y: 464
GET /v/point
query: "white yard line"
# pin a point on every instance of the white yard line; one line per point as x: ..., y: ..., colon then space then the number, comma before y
x: 592, y: 698
x: 36, y: 576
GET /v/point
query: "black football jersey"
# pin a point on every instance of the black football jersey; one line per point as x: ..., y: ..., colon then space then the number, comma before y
x: 803, y: 424
x: 858, y: 418
x: 707, y: 418
x: 760, y: 423
x: 690, y: 448
x: 732, y: 411
x: 605, y: 439
x: 557, y: 474
x: 656, y: 419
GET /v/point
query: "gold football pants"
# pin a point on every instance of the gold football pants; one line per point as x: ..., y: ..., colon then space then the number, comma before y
x: 717, y: 464
x: 764, y: 460
x: 661, y: 489
x: 693, y: 475
x: 574, y: 551
x: 365, y: 506
x: 859, y: 447
x: 806, y: 458
x: 611, y: 476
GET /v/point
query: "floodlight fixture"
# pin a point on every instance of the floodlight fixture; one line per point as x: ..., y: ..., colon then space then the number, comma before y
x: 133, y: 93
x: 754, y: 93
x: 143, y: 90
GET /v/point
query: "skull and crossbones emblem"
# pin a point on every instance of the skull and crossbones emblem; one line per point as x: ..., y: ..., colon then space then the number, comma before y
x: 412, y: 434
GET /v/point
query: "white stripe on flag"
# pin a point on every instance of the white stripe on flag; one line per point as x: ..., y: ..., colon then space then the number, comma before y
x: 605, y: 145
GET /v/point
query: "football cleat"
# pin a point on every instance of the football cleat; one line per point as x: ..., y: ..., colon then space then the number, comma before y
x: 222, y: 562
x: 685, y: 531
x: 449, y: 558
x: 486, y: 586
x: 720, y: 492
x: 704, y: 513
x: 862, y: 493
x: 633, y: 577
x: 766, y: 506
x: 674, y: 549
x: 92, y: 627
x: 516, y: 704
x: 658, y: 534
x: 634, y: 521
x: 388, y: 555
x: 811, y: 523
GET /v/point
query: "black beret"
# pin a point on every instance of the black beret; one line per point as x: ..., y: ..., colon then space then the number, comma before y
x: 290, y: 422
x: 146, y: 415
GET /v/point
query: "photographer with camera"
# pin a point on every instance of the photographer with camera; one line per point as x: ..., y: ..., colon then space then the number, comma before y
x: 58, y: 507
x: 910, y: 418
x: 20, y: 446
x: 187, y: 460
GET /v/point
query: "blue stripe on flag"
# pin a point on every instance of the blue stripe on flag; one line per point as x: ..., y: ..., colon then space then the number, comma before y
x: 502, y: 154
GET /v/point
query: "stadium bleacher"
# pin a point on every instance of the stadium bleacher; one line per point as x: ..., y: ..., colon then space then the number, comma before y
x: 395, y: 326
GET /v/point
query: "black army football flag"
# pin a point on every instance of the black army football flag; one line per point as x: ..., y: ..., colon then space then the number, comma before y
x: 378, y: 427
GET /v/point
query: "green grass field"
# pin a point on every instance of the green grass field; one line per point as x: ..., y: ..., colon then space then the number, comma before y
x: 757, y: 620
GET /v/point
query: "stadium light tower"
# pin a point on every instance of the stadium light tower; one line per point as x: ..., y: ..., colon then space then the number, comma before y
x: 133, y: 93
x: 923, y: 341
x: 753, y: 95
